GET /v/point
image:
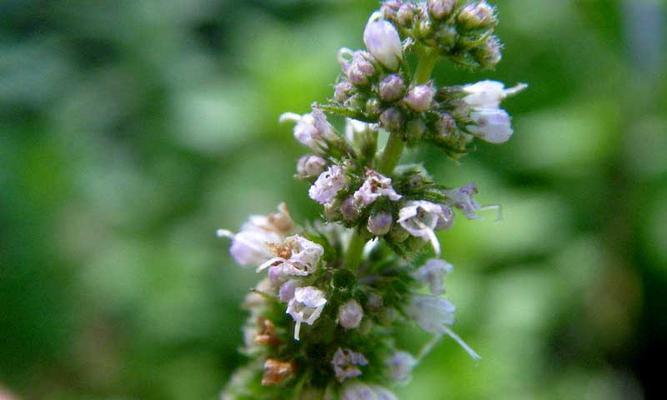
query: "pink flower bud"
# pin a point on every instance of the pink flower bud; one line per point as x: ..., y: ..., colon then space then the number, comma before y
x: 392, y: 88
x: 350, y: 315
x: 383, y: 42
x: 420, y: 98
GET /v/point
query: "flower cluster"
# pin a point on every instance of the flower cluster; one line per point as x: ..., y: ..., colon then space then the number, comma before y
x: 322, y: 320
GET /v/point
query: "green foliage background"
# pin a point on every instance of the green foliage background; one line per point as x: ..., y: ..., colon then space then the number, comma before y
x: 131, y: 129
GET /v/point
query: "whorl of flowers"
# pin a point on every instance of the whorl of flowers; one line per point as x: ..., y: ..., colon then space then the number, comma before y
x: 322, y: 322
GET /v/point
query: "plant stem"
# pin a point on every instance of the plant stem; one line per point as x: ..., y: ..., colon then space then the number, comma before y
x: 425, y: 67
x: 355, y: 249
x: 388, y: 160
x: 391, y: 154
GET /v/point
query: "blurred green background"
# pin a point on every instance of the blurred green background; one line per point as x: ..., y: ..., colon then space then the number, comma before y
x: 130, y: 130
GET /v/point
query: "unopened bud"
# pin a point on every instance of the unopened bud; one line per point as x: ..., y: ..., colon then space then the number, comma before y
x: 350, y: 315
x: 420, y: 98
x: 350, y: 209
x: 360, y: 70
x: 392, y: 119
x: 424, y: 28
x: 310, y: 166
x: 489, y: 54
x: 379, y: 224
x: 390, y: 8
x: 343, y: 91
x: 477, y: 16
x: 392, y: 88
x: 445, y: 125
x: 406, y: 14
x: 441, y: 9
x: 383, y: 42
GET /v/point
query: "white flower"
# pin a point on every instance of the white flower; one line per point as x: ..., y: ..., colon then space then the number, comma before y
x: 435, y: 315
x: 374, y: 187
x: 350, y: 314
x: 383, y: 42
x: 328, y: 184
x: 489, y: 94
x: 312, y: 129
x: 422, y: 218
x: 306, y: 307
x: 310, y: 166
x: 432, y: 274
x: 295, y: 256
x: 361, y: 391
x: 346, y: 364
x: 462, y: 198
x: 431, y: 313
x: 491, y: 125
x: 252, y: 245
x: 400, y: 365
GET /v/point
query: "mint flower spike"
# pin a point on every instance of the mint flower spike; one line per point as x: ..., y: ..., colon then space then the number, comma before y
x: 357, y: 274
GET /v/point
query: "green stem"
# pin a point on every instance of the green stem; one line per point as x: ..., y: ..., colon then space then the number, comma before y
x: 425, y: 66
x: 355, y: 249
x: 391, y: 154
x: 388, y: 161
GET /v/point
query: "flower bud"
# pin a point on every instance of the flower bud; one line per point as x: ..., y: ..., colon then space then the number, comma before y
x: 379, y: 224
x: 392, y: 119
x: 392, y: 88
x: 445, y: 125
x: 424, y: 28
x: 491, y: 125
x: 350, y: 209
x: 406, y: 14
x: 350, y: 315
x: 441, y: 9
x: 360, y: 70
x: 389, y: 9
x: 310, y: 166
x: 343, y: 91
x: 489, y: 54
x: 477, y: 16
x: 383, y: 42
x: 420, y: 98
